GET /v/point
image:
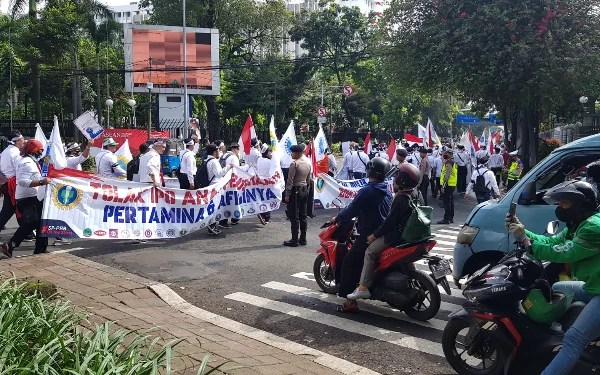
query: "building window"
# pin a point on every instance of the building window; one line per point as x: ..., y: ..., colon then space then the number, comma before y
x: 127, y: 14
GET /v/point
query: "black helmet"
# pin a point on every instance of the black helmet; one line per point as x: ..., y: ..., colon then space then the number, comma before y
x: 407, y: 176
x: 593, y: 172
x: 583, y: 196
x: 402, y: 152
x: 378, y: 168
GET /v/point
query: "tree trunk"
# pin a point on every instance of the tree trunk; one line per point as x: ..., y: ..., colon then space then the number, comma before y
x: 528, y: 122
x: 37, y: 103
x: 213, y: 119
x: 98, y: 96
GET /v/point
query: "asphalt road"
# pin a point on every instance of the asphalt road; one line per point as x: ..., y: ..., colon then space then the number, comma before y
x: 247, y: 275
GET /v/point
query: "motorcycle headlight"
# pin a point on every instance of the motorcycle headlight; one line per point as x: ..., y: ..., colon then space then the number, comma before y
x: 467, y: 235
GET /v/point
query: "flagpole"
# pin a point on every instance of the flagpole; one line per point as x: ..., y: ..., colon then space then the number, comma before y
x: 185, y: 91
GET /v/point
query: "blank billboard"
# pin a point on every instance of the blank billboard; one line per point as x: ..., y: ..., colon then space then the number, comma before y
x: 155, y: 54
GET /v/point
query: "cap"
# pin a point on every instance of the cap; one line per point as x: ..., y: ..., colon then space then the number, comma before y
x: 188, y: 142
x: 402, y: 152
x: 297, y: 148
x: 160, y: 143
x: 72, y: 146
x: 422, y: 150
x: 264, y: 149
x: 514, y: 153
x: 234, y: 145
x: 109, y: 142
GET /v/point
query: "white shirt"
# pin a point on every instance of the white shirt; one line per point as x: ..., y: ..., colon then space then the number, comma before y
x: 416, y: 159
x: 496, y: 161
x: 437, y: 164
x: 150, y: 165
x: 107, y: 166
x: 488, y: 176
x: 346, y: 163
x: 27, y: 171
x: 462, y: 159
x: 358, y: 162
x: 74, y: 162
x: 215, y: 172
x: 253, y: 157
x: 9, y: 159
x: 384, y: 155
x: 263, y: 167
x: 187, y: 164
x: 332, y: 163
x: 481, y: 154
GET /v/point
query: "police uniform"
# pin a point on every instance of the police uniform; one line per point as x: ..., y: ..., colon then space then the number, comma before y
x: 462, y: 160
x: 448, y: 182
x: 297, y: 189
x: 515, y: 171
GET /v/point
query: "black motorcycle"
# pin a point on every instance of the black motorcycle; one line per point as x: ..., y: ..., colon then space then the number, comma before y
x: 492, y: 334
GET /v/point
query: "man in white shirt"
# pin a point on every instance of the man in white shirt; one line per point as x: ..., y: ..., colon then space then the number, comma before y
x: 331, y: 163
x: 214, y: 174
x: 489, y: 188
x: 463, y: 161
x: 437, y: 168
x: 347, y: 163
x: 496, y: 164
x: 9, y: 160
x: 358, y: 163
x: 74, y: 155
x: 232, y: 157
x: 150, y: 165
x: 106, y: 161
x: 252, y: 157
x: 482, y: 153
x: 187, y: 165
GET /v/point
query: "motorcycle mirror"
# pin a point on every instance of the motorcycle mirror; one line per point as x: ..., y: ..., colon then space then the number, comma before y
x: 552, y: 227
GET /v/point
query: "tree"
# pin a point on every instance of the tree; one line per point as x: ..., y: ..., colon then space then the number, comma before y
x: 338, y: 36
x: 524, y: 57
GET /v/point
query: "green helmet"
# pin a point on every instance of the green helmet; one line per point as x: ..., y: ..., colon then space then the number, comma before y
x: 540, y: 310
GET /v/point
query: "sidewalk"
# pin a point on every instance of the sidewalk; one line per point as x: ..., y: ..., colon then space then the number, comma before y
x: 133, y: 302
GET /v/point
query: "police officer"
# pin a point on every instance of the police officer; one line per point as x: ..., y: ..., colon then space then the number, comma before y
x: 296, y: 195
x: 448, y: 182
x: 515, y: 170
x: 462, y: 160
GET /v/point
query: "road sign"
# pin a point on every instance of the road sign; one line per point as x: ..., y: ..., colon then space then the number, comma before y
x: 347, y: 90
x: 322, y: 111
x: 321, y: 119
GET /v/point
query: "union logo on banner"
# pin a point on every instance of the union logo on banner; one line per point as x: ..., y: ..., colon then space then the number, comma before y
x: 66, y: 197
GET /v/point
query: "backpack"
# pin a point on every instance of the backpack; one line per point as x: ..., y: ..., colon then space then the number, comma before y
x: 133, y: 167
x: 418, y: 225
x: 480, y: 187
x: 224, y: 157
x: 201, y: 178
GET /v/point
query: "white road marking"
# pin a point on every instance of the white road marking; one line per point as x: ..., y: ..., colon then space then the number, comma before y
x: 444, y: 236
x: 304, y: 275
x: 448, y: 243
x: 444, y: 250
x: 174, y: 300
x: 67, y: 250
x: 456, y: 232
x: 391, y: 337
x: 365, y: 305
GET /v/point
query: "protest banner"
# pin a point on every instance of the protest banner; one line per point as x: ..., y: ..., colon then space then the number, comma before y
x: 82, y: 205
x: 332, y: 193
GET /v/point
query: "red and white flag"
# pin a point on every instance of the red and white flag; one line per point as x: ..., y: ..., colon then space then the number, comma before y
x: 247, y: 135
x: 368, y: 143
x: 391, y: 151
x: 432, y: 138
x: 412, y: 139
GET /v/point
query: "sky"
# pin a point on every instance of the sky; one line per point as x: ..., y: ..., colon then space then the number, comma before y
x: 4, y: 4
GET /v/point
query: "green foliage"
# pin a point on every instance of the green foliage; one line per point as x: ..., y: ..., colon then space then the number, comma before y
x: 45, y: 337
x: 43, y: 289
x: 336, y: 148
x: 546, y: 146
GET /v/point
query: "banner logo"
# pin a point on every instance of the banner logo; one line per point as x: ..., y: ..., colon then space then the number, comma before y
x: 87, y: 232
x: 159, y: 233
x: 122, y: 161
x: 100, y: 233
x: 125, y: 233
x: 148, y: 233
x: 66, y: 197
x: 113, y: 233
x: 320, y: 184
x: 170, y: 233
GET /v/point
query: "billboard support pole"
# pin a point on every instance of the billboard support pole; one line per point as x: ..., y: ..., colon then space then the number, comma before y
x: 150, y: 99
x: 185, y: 93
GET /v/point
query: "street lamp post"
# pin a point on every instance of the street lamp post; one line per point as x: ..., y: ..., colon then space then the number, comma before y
x: 109, y: 103
x: 132, y: 104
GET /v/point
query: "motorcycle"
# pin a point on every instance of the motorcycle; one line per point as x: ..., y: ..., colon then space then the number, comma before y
x: 495, y: 332
x: 397, y: 281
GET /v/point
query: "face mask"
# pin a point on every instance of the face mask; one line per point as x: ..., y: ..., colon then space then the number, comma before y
x: 446, y: 157
x: 566, y: 215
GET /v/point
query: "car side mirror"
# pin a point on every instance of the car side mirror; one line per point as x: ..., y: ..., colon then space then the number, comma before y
x: 552, y: 227
x: 527, y: 194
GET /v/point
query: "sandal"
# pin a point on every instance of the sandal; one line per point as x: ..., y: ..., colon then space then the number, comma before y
x: 345, y: 309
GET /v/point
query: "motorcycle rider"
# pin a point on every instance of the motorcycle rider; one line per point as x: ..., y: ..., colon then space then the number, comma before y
x: 578, y: 245
x: 371, y: 205
x: 390, y: 232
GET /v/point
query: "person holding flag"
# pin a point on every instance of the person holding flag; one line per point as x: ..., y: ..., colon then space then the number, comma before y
x: 107, y: 164
x: 74, y: 155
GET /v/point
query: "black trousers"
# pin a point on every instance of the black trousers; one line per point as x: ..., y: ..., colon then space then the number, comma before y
x: 296, y: 211
x: 41, y: 243
x: 434, y: 182
x: 285, y: 171
x: 7, y: 212
x: 510, y: 184
x: 497, y: 173
x: 310, y: 204
x: 448, y: 200
x: 184, y: 183
x: 424, y: 187
x: 352, y: 266
x: 461, y: 184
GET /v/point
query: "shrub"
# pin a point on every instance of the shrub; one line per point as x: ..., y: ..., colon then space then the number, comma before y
x: 336, y: 148
x: 546, y: 146
x: 39, y: 336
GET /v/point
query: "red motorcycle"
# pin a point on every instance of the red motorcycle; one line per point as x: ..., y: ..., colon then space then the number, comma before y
x: 397, y: 281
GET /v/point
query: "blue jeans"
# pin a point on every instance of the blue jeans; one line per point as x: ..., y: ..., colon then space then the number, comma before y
x: 585, y: 329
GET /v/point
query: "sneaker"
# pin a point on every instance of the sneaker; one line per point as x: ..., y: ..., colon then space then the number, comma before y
x: 359, y: 294
x: 302, y: 242
x: 29, y: 238
x: 213, y: 231
x: 290, y: 243
x: 139, y: 240
x: 443, y: 222
x: 234, y: 222
x: 7, y: 249
x: 262, y: 219
x: 41, y: 252
x: 61, y: 241
x: 226, y: 226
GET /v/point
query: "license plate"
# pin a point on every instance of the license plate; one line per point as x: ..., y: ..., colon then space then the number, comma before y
x: 440, y: 268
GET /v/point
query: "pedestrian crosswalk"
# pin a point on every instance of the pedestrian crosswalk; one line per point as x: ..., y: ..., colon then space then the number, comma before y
x: 296, y: 300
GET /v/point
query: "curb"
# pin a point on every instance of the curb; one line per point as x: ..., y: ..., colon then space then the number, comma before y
x: 176, y: 301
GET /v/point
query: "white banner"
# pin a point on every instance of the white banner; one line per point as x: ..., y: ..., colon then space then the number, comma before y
x: 88, y: 125
x: 332, y: 193
x: 81, y: 205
